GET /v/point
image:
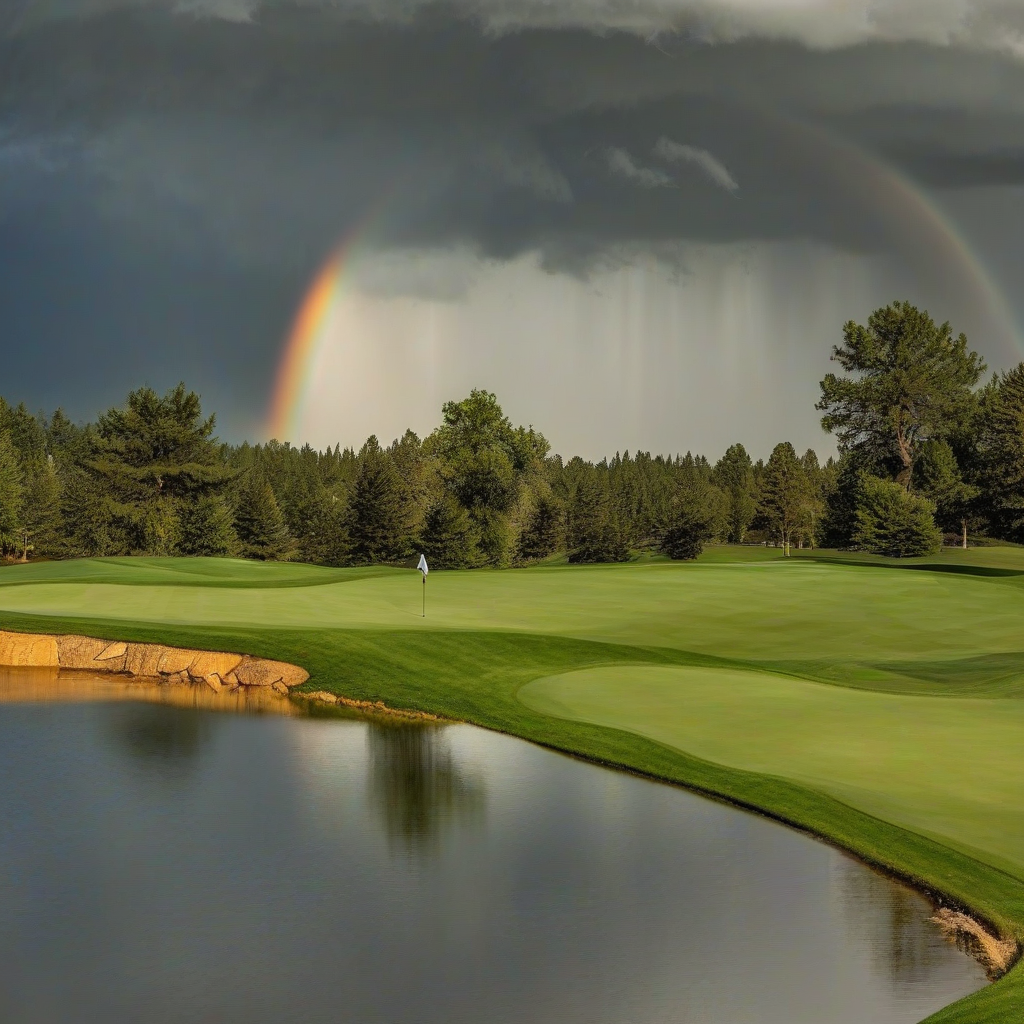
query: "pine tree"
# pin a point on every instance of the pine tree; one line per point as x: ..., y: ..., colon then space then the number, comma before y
x: 375, y: 526
x: 542, y: 531
x: 205, y: 527
x: 42, y: 509
x: 699, y: 514
x: 891, y: 521
x: 593, y: 532
x: 449, y: 538
x: 259, y: 523
x: 11, y: 492
x: 320, y: 528
x: 785, y: 494
x: 734, y: 474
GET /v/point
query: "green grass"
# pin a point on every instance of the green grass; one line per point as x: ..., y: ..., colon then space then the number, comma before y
x: 879, y: 707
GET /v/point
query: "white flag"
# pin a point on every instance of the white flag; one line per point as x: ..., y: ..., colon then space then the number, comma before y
x: 423, y: 565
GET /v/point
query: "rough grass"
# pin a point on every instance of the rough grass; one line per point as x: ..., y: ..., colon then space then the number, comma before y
x: 936, y: 640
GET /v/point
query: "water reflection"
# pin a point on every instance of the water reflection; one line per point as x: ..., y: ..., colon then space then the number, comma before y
x: 169, y: 737
x: 417, y: 786
x: 887, y: 919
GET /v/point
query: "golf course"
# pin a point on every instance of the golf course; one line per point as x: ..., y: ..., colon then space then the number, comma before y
x: 877, y: 703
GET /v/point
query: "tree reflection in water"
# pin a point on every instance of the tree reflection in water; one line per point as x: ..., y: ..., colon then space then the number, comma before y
x: 893, y: 922
x: 167, y: 737
x: 416, y: 785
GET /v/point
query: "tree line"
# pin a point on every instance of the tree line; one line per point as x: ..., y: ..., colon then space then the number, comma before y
x: 924, y: 451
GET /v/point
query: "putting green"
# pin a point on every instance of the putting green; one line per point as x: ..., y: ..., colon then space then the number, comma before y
x: 949, y: 768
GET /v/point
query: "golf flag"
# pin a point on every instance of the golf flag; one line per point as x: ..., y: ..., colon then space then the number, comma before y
x: 423, y: 567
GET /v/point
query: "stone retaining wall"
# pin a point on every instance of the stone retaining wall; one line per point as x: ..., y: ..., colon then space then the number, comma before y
x: 217, y: 670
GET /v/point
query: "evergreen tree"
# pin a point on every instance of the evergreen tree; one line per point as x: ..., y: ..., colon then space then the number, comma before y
x: 42, y: 519
x: 593, y: 530
x: 259, y: 524
x: 840, y: 499
x: 317, y: 521
x: 375, y: 527
x: 11, y: 492
x: 206, y: 527
x: 907, y: 380
x: 147, y: 457
x: 734, y: 474
x: 449, y: 538
x: 785, y: 494
x: 699, y: 514
x: 1001, y: 453
x: 85, y: 521
x: 937, y: 476
x: 892, y: 521
x: 542, y: 531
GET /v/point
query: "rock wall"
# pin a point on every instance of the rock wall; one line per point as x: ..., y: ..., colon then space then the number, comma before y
x: 219, y: 671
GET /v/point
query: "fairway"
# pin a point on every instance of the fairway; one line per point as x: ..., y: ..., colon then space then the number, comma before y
x: 850, y: 623
x: 878, y: 704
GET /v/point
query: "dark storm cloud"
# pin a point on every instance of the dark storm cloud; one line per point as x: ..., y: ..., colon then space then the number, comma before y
x: 165, y: 167
x: 279, y: 133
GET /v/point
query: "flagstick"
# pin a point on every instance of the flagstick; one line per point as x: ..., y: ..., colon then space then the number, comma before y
x: 424, y: 595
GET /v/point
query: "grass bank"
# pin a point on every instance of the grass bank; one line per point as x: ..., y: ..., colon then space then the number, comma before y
x: 876, y: 706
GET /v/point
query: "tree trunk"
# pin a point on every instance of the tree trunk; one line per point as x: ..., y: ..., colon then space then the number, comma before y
x: 963, y: 523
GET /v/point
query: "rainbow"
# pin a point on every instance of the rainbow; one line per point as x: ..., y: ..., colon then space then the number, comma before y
x: 293, y: 374
x: 934, y: 235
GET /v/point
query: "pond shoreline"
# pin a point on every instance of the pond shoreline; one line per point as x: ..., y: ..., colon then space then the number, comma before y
x: 191, y: 667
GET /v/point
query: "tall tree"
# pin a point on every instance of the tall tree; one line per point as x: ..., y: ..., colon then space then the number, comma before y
x: 593, y: 530
x: 937, y: 476
x: 11, y: 492
x: 699, y: 514
x: 259, y: 522
x: 1000, y: 444
x: 542, y: 531
x: 41, y: 514
x: 785, y: 494
x: 734, y: 474
x: 206, y: 527
x: 907, y: 380
x: 149, y: 456
x: 449, y: 538
x: 375, y: 522
x: 484, y: 461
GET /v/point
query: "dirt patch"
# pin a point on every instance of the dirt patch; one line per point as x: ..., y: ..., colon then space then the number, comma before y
x: 996, y: 955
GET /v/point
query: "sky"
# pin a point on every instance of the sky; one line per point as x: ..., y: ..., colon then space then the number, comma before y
x: 641, y: 224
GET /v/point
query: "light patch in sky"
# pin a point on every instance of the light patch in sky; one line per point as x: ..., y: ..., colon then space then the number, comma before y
x: 644, y: 355
x: 713, y: 168
x: 622, y: 165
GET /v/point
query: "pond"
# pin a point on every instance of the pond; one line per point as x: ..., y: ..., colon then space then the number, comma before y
x: 179, y: 864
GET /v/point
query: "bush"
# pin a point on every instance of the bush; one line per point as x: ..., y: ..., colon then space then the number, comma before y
x: 892, y: 521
